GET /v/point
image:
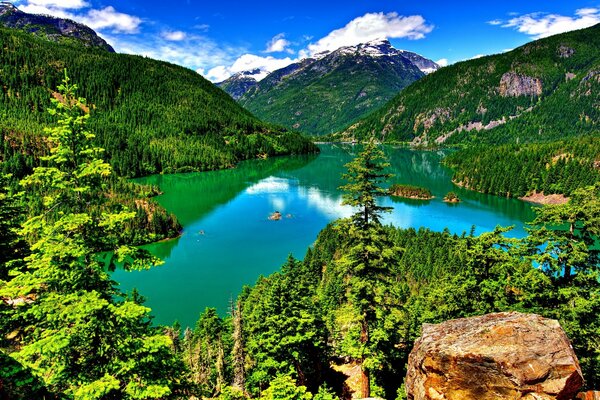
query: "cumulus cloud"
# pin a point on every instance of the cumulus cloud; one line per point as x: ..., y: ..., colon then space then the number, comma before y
x: 248, y: 62
x: 278, y: 44
x: 540, y: 25
x: 60, y: 4
x: 98, y: 19
x: 372, y: 26
x: 196, y: 52
x: 109, y: 18
x: 442, y: 62
x: 174, y: 36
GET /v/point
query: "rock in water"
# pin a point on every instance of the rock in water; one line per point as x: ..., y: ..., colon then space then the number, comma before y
x: 495, y: 356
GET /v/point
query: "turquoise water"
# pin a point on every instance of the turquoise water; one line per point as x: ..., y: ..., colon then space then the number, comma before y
x: 228, y: 240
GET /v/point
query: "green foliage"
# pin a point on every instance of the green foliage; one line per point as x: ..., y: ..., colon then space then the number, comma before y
x: 284, y: 332
x: 74, y: 330
x: 518, y: 170
x: 409, y: 191
x: 284, y: 388
x: 365, y: 175
x: 469, y: 92
x: 325, y: 393
x: 149, y: 116
x: 231, y: 393
x: 451, y: 197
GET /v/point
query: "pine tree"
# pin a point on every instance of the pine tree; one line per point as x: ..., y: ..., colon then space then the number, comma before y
x: 370, y: 257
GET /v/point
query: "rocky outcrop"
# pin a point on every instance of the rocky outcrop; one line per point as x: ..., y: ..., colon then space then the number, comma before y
x: 515, y: 85
x: 495, y: 356
x: 592, y: 395
x: 565, y: 51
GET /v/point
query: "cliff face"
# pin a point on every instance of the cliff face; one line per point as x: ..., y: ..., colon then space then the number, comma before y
x: 515, y: 85
x: 495, y: 356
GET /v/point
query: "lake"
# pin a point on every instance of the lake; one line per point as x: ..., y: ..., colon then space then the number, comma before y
x: 228, y: 240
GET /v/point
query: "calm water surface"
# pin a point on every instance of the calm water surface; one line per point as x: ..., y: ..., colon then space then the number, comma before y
x: 228, y: 240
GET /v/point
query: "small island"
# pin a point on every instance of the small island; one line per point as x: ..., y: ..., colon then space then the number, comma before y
x: 451, y: 197
x: 410, y: 192
x: 276, y: 216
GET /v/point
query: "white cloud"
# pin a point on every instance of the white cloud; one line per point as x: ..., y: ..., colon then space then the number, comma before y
x: 442, y: 62
x: 61, y: 4
x: 98, y: 19
x: 278, y: 44
x: 248, y: 62
x: 196, y: 52
x: 495, y: 22
x: 540, y: 25
x: 372, y: 26
x: 41, y: 9
x: 174, y: 36
x: 109, y: 18
x: 202, y: 27
x: 477, y: 56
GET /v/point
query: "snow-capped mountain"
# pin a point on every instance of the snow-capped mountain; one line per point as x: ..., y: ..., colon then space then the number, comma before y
x: 330, y: 90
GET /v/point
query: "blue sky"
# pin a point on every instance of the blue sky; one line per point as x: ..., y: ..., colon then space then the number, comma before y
x: 221, y: 37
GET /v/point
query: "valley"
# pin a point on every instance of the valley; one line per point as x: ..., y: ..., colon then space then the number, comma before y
x: 241, y: 201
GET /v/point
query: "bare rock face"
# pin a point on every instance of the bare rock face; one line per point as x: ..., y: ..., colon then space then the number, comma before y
x: 565, y: 51
x: 514, y: 85
x: 495, y: 356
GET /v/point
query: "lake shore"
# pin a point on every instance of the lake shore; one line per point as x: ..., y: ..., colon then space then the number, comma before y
x: 545, y: 199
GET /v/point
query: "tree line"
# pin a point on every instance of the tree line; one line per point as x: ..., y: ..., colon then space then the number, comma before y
x: 518, y: 170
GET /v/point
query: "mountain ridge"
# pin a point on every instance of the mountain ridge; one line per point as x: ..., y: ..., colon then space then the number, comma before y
x: 322, y: 97
x: 52, y: 28
x: 541, y: 91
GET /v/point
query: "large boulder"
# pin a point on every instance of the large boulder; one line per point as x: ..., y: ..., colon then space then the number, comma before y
x: 495, y: 356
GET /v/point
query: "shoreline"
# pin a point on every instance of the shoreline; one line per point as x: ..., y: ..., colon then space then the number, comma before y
x: 545, y: 199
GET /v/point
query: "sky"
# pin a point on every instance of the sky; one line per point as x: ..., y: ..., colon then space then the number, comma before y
x: 218, y: 38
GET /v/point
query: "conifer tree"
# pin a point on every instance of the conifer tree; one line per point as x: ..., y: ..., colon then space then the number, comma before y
x: 76, y: 332
x: 368, y: 262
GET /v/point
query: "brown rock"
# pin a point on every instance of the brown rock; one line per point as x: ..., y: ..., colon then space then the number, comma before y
x: 514, y: 85
x: 495, y: 356
x: 591, y: 395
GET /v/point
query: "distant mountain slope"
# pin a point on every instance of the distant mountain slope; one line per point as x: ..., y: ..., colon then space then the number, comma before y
x: 54, y: 29
x: 541, y: 91
x: 150, y: 116
x: 241, y: 83
x: 323, y: 94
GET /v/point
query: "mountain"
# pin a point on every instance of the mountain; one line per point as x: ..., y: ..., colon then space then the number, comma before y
x: 542, y: 91
x: 51, y: 28
x: 150, y: 116
x: 242, y: 82
x: 325, y: 93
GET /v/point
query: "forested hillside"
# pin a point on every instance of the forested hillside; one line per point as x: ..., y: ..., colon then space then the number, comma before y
x: 54, y: 29
x: 542, y: 91
x: 517, y: 170
x: 149, y: 115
